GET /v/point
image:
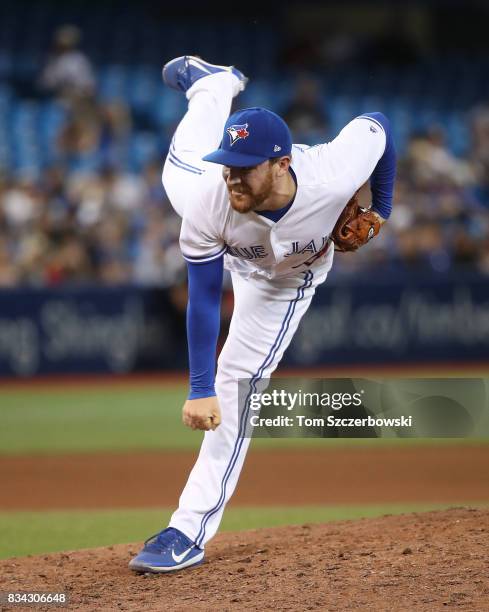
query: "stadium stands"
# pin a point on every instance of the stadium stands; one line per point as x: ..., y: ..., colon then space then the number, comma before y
x: 66, y: 161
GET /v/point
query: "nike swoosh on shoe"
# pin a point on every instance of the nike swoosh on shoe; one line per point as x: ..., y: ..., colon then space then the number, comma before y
x: 181, y: 557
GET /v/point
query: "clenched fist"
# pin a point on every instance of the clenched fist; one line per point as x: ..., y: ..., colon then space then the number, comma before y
x: 202, y: 413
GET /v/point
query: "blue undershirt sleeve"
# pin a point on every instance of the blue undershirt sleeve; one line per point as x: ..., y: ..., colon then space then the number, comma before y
x: 382, y: 179
x: 203, y: 323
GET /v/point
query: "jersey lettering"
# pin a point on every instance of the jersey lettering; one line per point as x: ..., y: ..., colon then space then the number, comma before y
x: 256, y: 251
x: 309, y: 247
x: 294, y: 250
x: 320, y: 253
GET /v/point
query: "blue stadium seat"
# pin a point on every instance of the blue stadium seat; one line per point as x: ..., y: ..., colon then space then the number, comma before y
x: 144, y: 82
x: 168, y: 106
x: 458, y: 133
x: 145, y: 147
x: 114, y: 82
x: 259, y: 93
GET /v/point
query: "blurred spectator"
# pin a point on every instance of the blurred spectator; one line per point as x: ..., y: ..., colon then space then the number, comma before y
x: 465, y: 249
x: 68, y: 72
x: 81, y: 133
x: 124, y: 192
x: 156, y: 194
x: 305, y: 114
x: 483, y: 263
x: 9, y: 276
x: 432, y: 164
x: 20, y: 203
x: 480, y: 149
x: 68, y: 261
x: 158, y: 261
x: 95, y: 134
x: 115, y: 132
x: 112, y: 254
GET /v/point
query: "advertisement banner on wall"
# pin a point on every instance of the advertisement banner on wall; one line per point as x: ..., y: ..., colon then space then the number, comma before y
x: 89, y: 330
x: 395, y: 321
x: 119, y: 330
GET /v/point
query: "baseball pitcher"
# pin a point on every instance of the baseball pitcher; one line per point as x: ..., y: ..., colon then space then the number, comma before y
x: 272, y: 213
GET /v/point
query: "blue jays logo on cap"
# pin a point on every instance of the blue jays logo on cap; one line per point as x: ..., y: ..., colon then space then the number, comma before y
x: 237, y: 131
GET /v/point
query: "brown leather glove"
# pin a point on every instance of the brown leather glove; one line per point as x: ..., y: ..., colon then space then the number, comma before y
x: 355, y: 226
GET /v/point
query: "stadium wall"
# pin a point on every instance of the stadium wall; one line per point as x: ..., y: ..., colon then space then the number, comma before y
x: 107, y: 330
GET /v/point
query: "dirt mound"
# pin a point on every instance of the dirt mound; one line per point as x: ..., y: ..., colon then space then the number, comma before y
x: 423, y: 561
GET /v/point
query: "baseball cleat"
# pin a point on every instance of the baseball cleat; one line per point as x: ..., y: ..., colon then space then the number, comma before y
x: 182, y: 72
x: 167, y: 551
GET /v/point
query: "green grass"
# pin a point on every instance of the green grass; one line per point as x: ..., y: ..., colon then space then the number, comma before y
x: 116, y: 418
x: 23, y: 533
x: 109, y: 418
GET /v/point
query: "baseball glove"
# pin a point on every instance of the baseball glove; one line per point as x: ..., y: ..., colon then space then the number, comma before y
x: 355, y: 227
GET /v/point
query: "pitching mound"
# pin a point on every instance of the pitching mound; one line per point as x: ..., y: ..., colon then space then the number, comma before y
x: 425, y: 561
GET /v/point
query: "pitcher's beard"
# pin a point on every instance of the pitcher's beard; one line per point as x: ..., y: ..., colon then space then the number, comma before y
x: 244, y: 201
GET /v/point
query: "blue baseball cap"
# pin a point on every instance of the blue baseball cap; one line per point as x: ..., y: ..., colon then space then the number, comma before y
x: 251, y: 136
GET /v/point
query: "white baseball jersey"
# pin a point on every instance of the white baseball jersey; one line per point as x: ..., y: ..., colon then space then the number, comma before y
x: 327, y: 176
